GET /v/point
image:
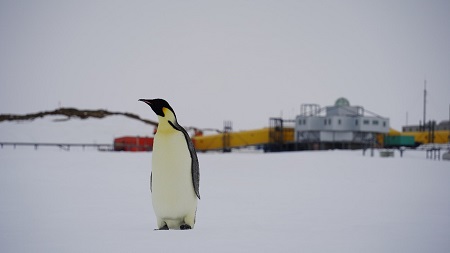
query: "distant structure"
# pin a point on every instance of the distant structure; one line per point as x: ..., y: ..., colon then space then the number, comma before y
x: 341, y: 126
x: 429, y: 132
x: 443, y: 125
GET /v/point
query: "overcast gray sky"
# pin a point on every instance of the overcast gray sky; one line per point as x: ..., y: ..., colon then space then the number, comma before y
x: 243, y: 61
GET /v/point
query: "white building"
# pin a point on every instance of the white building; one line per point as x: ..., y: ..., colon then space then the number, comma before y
x: 342, y: 125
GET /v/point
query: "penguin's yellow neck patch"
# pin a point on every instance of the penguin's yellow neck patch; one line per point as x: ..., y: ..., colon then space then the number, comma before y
x: 164, y: 125
x: 168, y: 114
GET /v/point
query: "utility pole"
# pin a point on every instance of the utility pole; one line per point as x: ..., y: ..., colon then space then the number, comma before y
x: 424, y: 102
x: 406, y: 119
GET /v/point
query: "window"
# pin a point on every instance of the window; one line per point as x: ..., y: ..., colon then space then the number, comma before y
x: 356, y: 122
x: 375, y: 122
x: 339, y: 121
x: 325, y: 122
x: 384, y: 123
x: 302, y: 121
x: 366, y: 122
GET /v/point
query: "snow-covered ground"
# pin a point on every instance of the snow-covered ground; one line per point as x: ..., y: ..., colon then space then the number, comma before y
x: 330, y: 201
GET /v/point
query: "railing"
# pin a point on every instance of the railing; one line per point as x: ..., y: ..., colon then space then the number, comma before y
x: 64, y: 146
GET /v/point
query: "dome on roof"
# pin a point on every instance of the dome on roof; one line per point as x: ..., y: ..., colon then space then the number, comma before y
x: 342, y: 102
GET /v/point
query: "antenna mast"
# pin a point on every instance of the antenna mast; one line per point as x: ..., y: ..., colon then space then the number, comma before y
x: 424, y: 102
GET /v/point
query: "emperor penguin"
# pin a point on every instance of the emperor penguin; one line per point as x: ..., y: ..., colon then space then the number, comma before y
x: 175, y: 176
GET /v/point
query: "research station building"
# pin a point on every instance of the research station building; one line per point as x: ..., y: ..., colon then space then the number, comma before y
x: 339, y: 126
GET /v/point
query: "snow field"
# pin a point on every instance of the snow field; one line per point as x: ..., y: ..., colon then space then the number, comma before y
x: 328, y: 201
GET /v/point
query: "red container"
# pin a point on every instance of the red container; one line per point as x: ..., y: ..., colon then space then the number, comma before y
x: 133, y: 143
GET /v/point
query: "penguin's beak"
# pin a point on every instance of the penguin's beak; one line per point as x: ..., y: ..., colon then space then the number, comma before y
x: 147, y: 101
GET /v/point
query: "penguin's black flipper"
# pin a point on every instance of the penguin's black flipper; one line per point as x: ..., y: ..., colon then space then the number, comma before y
x: 195, y: 170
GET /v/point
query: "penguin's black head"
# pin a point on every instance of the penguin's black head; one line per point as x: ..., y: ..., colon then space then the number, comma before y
x: 158, y: 105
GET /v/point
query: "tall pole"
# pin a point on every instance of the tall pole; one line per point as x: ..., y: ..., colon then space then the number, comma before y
x: 406, y: 119
x: 424, y: 102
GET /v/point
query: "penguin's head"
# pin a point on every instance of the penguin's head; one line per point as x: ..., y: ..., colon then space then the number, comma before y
x: 161, y: 108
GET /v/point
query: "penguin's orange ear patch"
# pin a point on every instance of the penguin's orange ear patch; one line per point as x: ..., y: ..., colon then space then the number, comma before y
x: 165, y: 111
x: 168, y: 114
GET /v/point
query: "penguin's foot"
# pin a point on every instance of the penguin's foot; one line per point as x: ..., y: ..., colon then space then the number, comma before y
x: 185, y: 227
x: 165, y: 227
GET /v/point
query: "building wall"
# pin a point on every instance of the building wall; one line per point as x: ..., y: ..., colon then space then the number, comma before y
x: 374, y: 124
x: 333, y: 136
x: 340, y: 124
x: 443, y: 125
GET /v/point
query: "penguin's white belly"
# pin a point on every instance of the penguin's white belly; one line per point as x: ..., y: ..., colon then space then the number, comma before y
x: 173, y: 195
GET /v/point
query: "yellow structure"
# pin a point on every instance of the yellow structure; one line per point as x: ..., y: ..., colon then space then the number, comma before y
x: 393, y: 132
x: 440, y: 137
x: 263, y: 136
x: 238, y: 139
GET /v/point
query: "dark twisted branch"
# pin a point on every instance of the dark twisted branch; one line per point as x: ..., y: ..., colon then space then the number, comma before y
x: 82, y: 114
x: 73, y: 113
